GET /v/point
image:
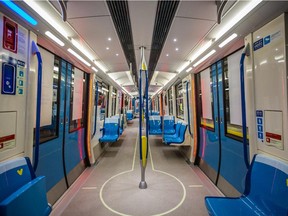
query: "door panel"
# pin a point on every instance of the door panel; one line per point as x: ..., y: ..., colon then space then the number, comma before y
x: 51, y: 152
x: 233, y: 168
x: 74, y: 151
x: 221, y: 152
x: 61, y: 157
x: 209, y: 129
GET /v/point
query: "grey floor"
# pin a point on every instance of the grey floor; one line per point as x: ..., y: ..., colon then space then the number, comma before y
x: 111, y: 186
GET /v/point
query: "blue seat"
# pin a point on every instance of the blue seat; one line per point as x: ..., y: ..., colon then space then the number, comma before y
x: 110, y: 130
x: 129, y: 115
x: 177, y: 139
x: 266, y: 191
x: 176, y: 134
x: 121, y: 123
x: 21, y: 192
x: 169, y: 124
x: 155, y: 125
x: 155, y: 113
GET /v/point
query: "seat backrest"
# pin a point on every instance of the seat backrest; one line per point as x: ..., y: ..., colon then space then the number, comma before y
x: 182, y: 131
x: 155, y: 122
x: 267, y: 184
x: 169, y: 122
x: 111, y: 126
x: 155, y: 113
x: 14, y: 174
x: 177, y: 128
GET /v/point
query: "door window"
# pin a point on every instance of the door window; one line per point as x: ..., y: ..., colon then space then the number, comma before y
x: 50, y: 97
x: 77, y: 99
x: 206, y: 99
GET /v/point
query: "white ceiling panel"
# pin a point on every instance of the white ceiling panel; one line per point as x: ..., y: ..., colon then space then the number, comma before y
x: 188, y: 32
x: 96, y: 31
x: 142, y: 15
x: 206, y: 10
x: 78, y: 9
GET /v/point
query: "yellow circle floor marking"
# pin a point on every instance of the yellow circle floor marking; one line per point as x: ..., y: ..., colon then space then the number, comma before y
x: 131, y: 170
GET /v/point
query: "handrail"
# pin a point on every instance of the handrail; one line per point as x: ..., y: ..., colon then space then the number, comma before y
x: 35, y: 50
x: 96, y: 100
x: 188, y: 107
x: 147, y: 110
x: 243, y: 104
x: 140, y: 113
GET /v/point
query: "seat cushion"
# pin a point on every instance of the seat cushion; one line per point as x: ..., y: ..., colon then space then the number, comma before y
x: 109, y: 138
x: 223, y: 206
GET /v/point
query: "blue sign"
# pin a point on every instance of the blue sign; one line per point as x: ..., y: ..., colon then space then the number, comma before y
x: 258, y: 44
x: 8, y: 78
x: 267, y: 40
x: 259, y: 113
x: 259, y: 121
x: 260, y: 135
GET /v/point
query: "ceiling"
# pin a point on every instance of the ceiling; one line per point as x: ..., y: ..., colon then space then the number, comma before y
x: 194, y: 24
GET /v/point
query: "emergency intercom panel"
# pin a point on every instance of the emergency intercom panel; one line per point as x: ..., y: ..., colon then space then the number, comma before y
x: 13, y: 76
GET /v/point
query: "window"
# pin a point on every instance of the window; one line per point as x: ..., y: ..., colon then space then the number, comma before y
x: 50, y: 97
x: 114, y: 98
x: 205, y: 92
x: 170, y: 101
x: 179, y: 101
x: 232, y: 96
x: 95, y: 84
x: 78, y: 88
x: 103, y: 99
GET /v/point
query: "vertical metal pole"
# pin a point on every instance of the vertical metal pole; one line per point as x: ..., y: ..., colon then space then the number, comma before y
x: 142, y: 140
x: 142, y: 184
x: 147, y: 112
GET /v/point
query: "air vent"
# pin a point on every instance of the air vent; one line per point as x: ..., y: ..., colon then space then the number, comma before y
x: 165, y: 13
x: 120, y: 15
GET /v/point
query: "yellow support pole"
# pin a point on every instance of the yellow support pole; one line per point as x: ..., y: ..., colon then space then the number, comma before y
x: 144, y: 151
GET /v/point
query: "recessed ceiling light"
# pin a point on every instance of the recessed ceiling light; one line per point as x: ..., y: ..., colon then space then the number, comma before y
x: 177, y: 49
x: 175, y: 39
x: 167, y: 54
x: 107, y: 48
x: 109, y: 38
x: 117, y: 54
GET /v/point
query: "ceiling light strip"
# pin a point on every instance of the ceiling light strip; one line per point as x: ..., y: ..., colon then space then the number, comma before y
x: 82, y: 49
x: 95, y: 69
x: 54, y: 38
x: 183, y: 66
x: 240, y: 15
x: 229, y: 39
x: 41, y: 12
x: 189, y: 69
x: 201, y: 50
x: 204, y: 58
x: 79, y: 57
x: 99, y: 65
